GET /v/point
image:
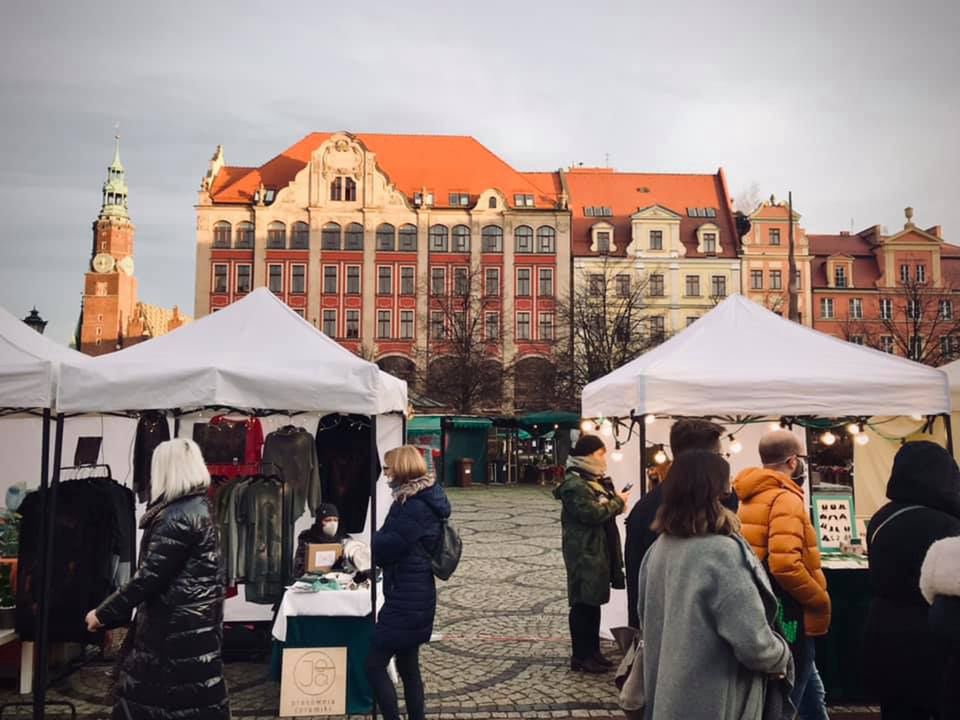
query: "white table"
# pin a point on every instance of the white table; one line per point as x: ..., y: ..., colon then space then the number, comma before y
x: 325, y: 603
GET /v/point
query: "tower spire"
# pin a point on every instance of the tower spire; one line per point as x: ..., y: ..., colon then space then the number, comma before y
x: 115, y: 186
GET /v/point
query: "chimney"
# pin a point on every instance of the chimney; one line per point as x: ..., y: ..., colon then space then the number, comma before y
x: 936, y: 231
x: 844, y: 233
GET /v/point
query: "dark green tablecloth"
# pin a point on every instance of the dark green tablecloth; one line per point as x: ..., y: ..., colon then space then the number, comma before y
x: 839, y: 658
x: 353, y: 633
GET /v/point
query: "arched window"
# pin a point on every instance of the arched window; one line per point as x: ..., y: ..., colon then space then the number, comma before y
x: 354, y: 237
x: 546, y: 239
x: 300, y: 236
x: 330, y: 237
x: 461, y: 238
x: 439, y: 238
x: 408, y: 238
x: 492, y: 202
x: 350, y: 190
x: 386, y: 237
x: 524, y: 239
x: 276, y: 236
x: 336, y: 189
x: 221, y: 234
x: 244, y: 237
x: 492, y: 236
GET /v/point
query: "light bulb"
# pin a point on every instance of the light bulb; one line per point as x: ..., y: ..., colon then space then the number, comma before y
x: 650, y: 419
x: 606, y: 429
x: 736, y: 447
x: 917, y: 417
x: 862, y: 439
x: 660, y: 458
x: 616, y: 455
x: 828, y: 438
x: 587, y: 426
x: 775, y: 425
x: 853, y: 429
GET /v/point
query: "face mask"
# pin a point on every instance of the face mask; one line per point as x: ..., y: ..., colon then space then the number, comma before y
x: 330, y: 528
x: 799, y: 475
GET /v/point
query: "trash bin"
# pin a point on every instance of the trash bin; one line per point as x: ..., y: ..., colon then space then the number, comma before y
x: 465, y: 472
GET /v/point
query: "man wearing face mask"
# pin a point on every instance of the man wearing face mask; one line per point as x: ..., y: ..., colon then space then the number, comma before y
x: 776, y: 523
x: 325, y: 529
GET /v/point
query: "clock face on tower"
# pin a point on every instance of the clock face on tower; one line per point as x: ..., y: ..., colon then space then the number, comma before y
x: 126, y: 265
x: 103, y: 263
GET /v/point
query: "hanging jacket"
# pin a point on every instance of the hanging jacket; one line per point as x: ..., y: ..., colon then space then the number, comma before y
x: 409, y: 588
x: 292, y: 451
x: 260, y: 512
x: 152, y: 429
x: 231, y: 448
x: 172, y: 667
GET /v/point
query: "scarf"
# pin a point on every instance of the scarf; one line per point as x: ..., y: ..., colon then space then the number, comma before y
x: 587, y: 466
x: 404, y: 491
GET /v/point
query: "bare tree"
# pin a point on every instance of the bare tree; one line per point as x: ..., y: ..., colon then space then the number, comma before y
x: 463, y: 364
x: 606, y: 321
x: 916, y: 320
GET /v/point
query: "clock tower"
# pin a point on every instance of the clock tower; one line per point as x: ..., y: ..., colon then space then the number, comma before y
x: 110, y: 289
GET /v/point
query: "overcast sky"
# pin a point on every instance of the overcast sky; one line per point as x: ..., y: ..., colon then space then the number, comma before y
x: 852, y: 105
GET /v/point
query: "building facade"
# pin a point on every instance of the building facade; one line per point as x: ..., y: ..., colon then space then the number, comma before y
x: 368, y: 237
x: 111, y: 317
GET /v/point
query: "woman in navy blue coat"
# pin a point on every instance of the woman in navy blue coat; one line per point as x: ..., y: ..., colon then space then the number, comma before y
x: 410, y: 531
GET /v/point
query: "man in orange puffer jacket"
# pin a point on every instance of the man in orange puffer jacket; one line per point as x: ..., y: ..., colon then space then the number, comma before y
x: 777, y: 525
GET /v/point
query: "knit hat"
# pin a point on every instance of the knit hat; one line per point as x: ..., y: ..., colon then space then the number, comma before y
x: 327, y: 510
x: 587, y: 445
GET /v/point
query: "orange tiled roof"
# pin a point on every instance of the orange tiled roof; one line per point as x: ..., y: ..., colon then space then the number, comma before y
x: 626, y: 193
x: 441, y: 163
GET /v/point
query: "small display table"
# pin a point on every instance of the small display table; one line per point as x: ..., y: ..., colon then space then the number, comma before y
x: 839, y: 653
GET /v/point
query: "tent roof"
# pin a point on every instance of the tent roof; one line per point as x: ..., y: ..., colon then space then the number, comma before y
x: 29, y: 364
x: 953, y: 375
x: 255, y: 353
x: 742, y: 359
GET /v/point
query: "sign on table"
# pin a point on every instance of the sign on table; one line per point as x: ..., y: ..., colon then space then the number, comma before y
x: 834, y: 519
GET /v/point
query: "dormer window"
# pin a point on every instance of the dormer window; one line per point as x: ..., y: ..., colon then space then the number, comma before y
x: 840, y: 276
x: 423, y: 199
x: 603, y: 242
x: 701, y: 212
x: 492, y: 203
x: 602, y: 238
x: 656, y: 239
x: 710, y: 243
x: 522, y: 200
x: 840, y: 272
x: 708, y: 239
x: 458, y: 199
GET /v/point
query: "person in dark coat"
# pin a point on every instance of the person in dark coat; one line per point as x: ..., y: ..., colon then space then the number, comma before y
x: 904, y: 660
x: 402, y: 547
x: 685, y: 434
x: 591, y: 548
x: 940, y: 585
x: 170, y: 665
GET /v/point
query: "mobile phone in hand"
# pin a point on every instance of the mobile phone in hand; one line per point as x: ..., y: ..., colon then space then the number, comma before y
x: 626, y: 488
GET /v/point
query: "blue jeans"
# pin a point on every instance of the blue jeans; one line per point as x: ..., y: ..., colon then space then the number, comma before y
x: 808, y: 693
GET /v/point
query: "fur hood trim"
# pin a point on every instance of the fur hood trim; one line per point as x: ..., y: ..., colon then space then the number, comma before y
x: 404, y: 492
x: 940, y: 574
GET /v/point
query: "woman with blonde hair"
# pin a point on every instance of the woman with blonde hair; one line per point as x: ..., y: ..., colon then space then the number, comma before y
x: 402, y: 547
x: 170, y: 665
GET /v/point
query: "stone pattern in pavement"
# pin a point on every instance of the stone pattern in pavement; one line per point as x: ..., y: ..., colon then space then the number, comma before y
x: 504, y: 646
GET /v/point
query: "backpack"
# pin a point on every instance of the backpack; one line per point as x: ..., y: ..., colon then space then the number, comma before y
x: 444, y: 560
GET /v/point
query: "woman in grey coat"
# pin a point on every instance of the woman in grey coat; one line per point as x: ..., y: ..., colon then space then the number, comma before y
x: 705, y: 605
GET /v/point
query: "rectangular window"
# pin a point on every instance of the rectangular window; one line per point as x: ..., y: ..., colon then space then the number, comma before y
x: 840, y: 276
x: 459, y: 199
x: 603, y: 243
x: 798, y: 278
x: 353, y: 324
x: 826, y: 308
x: 719, y: 286
x: 461, y: 283
x: 438, y: 281
x: 407, y: 283
x: 353, y: 279
x: 546, y: 282
x: 657, y: 329
x: 523, y: 282
x: 886, y: 343
x: 946, y: 309
x: 436, y: 325
x: 220, y: 278
x: 298, y: 284
x: 916, y: 347
x: 913, y: 310
x: 710, y: 243
x: 458, y: 328
x: 904, y: 273
x: 243, y: 278
x: 596, y: 286
x: 656, y: 239
x: 856, y: 309
x: 546, y: 326
x: 621, y: 330
x: 301, y: 312
x: 384, y: 280
x: 275, y: 275
x: 330, y: 323
x: 756, y: 279
x: 949, y: 347
x: 856, y: 339
x: 886, y: 309
x: 921, y: 274
x: 330, y: 279
x: 623, y: 285
x: 523, y: 326
x: 383, y: 324
x: 491, y: 282
x: 693, y: 286
x: 523, y: 200
x: 691, y: 320
x: 776, y: 280
x: 492, y: 327
x: 406, y: 324
x: 656, y: 285
x: 774, y: 236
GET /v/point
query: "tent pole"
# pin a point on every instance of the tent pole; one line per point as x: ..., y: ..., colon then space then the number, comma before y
x: 374, y: 477
x: 643, y: 456
x: 948, y: 424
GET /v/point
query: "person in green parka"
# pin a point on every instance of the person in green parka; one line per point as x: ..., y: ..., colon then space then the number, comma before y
x: 591, y: 547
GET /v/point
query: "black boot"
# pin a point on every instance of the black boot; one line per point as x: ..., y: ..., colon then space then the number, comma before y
x: 601, y: 660
x: 589, y: 665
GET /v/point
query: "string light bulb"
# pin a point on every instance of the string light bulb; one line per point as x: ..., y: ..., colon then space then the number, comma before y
x: 853, y: 428
x: 735, y: 445
x: 587, y: 426
x: 617, y: 454
x: 862, y: 438
x: 916, y: 416
x: 650, y: 419
x: 661, y: 457
x: 775, y: 425
x: 606, y: 428
x: 828, y: 438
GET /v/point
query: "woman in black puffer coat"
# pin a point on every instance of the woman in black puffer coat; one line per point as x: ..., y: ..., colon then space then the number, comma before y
x: 411, y: 530
x: 904, y: 659
x: 171, y: 666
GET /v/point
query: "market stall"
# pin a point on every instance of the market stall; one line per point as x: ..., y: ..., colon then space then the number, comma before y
x: 263, y: 370
x: 746, y: 367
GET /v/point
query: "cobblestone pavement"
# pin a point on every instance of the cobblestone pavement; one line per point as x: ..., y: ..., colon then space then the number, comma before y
x: 503, y: 650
